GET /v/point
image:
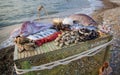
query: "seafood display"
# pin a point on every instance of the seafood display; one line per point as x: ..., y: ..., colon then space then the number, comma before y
x: 35, y: 40
x: 24, y: 43
x: 70, y: 37
x: 70, y: 30
x: 76, y: 21
x: 63, y: 38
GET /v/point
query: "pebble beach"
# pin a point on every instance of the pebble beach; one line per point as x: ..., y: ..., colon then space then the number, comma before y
x: 109, y: 13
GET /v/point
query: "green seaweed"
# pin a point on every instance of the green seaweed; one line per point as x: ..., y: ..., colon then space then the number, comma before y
x: 26, y: 65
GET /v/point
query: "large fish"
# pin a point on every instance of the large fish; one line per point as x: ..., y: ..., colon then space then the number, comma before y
x: 83, y: 19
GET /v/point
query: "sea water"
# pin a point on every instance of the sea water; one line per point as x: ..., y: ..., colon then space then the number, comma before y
x: 14, y: 12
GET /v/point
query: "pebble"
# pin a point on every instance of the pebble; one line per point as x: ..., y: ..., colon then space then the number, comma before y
x: 115, y: 61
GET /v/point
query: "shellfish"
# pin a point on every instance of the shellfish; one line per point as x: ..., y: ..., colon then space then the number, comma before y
x: 69, y: 37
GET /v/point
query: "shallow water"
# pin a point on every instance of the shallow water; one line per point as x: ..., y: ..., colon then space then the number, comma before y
x: 15, y: 11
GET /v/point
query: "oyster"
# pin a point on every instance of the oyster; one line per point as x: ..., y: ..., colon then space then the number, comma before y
x: 70, y: 37
x: 29, y: 46
x: 24, y: 43
x: 61, y: 44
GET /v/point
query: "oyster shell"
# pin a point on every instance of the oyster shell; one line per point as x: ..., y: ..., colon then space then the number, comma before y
x: 61, y: 44
x: 29, y: 46
x: 69, y: 37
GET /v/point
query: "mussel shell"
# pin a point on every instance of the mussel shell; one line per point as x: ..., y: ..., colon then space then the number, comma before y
x: 57, y: 43
x: 81, y: 32
x: 63, y: 33
x: 72, y: 33
x: 87, y: 34
x: 20, y: 47
x: 71, y: 41
x: 67, y: 34
x: 67, y: 43
x: 29, y: 46
x: 61, y: 44
x: 67, y: 38
x: 76, y: 41
x: 57, y: 39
